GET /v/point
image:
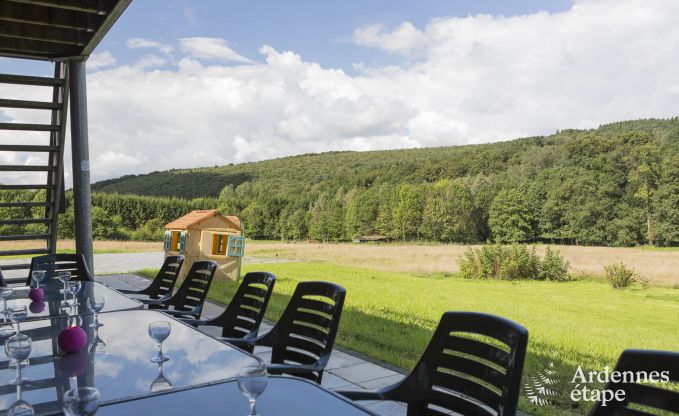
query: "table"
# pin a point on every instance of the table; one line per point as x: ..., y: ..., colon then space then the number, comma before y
x: 50, y: 307
x: 123, y: 370
x: 284, y: 396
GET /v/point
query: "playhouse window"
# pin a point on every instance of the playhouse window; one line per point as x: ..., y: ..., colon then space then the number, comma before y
x: 174, y: 241
x: 219, y: 243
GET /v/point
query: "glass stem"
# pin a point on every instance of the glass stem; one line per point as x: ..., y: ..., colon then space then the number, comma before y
x: 96, y: 319
x: 252, y: 407
x: 18, y: 370
x: 18, y: 328
x: 160, y: 349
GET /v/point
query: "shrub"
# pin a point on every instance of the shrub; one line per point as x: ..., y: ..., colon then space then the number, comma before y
x: 554, y: 267
x: 494, y: 261
x: 621, y: 276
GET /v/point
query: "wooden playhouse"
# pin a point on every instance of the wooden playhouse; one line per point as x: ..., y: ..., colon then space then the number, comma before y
x: 207, y: 235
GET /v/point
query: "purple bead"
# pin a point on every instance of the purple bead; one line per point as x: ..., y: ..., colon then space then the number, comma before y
x: 36, y: 307
x: 72, y: 339
x: 36, y: 294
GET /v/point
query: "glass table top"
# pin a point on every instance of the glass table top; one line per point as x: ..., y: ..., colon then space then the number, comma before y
x: 51, y: 305
x: 117, y: 360
x: 284, y: 396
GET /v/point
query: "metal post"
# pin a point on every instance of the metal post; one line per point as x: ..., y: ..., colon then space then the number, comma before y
x: 82, y: 199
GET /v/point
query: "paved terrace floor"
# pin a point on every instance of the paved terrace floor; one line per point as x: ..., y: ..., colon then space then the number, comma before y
x: 346, y: 369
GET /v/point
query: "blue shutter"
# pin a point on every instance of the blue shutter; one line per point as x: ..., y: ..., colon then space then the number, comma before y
x: 236, y: 246
x: 182, y: 242
x: 166, y: 241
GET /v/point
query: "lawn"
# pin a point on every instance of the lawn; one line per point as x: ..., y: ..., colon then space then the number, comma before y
x: 390, y: 316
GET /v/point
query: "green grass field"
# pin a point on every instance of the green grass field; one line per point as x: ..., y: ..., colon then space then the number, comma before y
x: 390, y: 316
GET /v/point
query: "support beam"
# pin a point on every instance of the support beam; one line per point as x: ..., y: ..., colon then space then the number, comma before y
x: 82, y: 198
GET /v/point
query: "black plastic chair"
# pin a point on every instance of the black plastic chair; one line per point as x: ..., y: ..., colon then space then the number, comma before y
x: 163, y: 284
x: 52, y: 264
x: 472, y: 366
x: 643, y: 396
x: 242, y: 317
x: 3, y: 282
x: 189, y: 299
x: 302, y: 340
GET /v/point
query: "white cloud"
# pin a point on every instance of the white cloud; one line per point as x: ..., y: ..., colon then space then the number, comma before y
x: 476, y: 79
x: 211, y: 48
x: 100, y: 60
x: 142, y: 43
x: 405, y: 39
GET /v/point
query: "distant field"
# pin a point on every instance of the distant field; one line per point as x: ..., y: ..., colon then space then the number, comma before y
x: 68, y: 246
x: 660, y: 266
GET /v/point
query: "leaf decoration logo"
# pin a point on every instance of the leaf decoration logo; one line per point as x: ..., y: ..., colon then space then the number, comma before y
x: 538, y: 387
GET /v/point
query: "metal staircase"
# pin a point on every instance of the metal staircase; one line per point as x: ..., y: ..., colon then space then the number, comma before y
x: 29, y: 212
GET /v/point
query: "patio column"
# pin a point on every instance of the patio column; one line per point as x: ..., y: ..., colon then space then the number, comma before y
x: 82, y: 199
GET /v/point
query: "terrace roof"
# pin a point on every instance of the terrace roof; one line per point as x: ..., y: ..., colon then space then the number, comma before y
x: 55, y: 29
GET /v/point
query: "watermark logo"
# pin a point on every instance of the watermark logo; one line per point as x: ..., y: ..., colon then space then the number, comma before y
x: 539, y: 389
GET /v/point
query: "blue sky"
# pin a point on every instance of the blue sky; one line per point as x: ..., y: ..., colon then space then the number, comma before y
x: 320, y: 31
x: 180, y: 84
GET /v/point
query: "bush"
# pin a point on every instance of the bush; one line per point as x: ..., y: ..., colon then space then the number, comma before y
x: 554, y: 267
x: 621, y: 276
x: 515, y: 262
x: 152, y: 230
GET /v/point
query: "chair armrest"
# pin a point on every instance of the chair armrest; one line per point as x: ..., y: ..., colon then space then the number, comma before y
x: 193, y: 322
x: 360, y: 394
x: 238, y: 342
x: 292, y: 369
x: 159, y: 301
x: 180, y: 314
x: 131, y: 291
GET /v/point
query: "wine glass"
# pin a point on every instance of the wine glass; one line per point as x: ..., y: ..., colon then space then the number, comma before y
x: 21, y: 408
x: 73, y: 289
x: 17, y: 315
x: 159, y: 331
x: 18, y: 348
x: 64, y: 277
x: 38, y: 276
x: 252, y: 381
x: 96, y: 304
x: 82, y: 401
x: 161, y: 382
x: 5, y: 329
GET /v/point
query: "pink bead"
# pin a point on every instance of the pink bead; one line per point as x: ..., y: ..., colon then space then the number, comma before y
x: 36, y: 294
x: 72, y: 365
x: 72, y: 339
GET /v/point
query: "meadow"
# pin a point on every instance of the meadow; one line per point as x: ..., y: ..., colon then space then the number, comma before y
x: 394, y: 301
x: 659, y: 265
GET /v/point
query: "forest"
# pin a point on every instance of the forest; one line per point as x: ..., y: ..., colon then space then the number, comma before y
x: 617, y: 185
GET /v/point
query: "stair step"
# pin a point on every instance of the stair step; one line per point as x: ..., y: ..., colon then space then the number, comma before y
x: 29, y: 127
x: 27, y: 148
x: 30, y: 80
x: 14, y: 267
x: 26, y: 168
x: 36, y: 105
x: 23, y: 204
x: 22, y: 221
x: 24, y: 237
x: 21, y: 253
x: 22, y: 186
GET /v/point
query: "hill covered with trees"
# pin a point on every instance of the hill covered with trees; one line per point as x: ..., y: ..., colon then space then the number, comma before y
x: 615, y: 185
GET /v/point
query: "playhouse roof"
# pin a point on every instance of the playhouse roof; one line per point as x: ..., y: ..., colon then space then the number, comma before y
x: 195, y: 217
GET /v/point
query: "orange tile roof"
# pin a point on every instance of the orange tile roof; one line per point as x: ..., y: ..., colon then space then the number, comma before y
x: 194, y: 217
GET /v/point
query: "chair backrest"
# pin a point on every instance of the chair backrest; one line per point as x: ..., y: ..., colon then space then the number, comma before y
x: 164, y: 282
x: 643, y: 399
x: 52, y: 264
x: 305, y: 333
x: 472, y: 366
x: 192, y: 293
x: 245, y: 312
x: 3, y: 283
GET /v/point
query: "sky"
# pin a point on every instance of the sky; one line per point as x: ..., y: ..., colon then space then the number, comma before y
x: 179, y: 84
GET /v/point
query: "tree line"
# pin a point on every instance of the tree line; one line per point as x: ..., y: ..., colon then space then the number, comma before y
x: 617, y: 185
